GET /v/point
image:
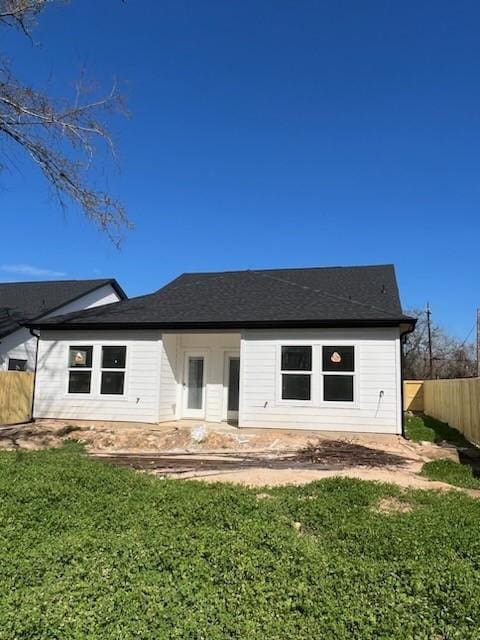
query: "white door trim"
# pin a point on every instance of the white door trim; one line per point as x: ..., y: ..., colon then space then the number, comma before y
x: 226, y: 414
x: 186, y: 412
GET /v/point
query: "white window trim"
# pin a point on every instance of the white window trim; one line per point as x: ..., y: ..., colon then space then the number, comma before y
x: 317, y: 374
x: 341, y: 404
x: 290, y: 401
x: 112, y: 369
x: 96, y: 370
x: 70, y: 369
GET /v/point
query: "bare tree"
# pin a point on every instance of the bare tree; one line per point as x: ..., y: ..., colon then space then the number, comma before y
x: 451, y: 358
x: 62, y: 137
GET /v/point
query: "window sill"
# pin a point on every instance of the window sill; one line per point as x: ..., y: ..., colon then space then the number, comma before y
x: 97, y: 396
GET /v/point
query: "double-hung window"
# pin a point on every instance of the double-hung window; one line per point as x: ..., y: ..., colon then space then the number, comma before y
x: 104, y: 373
x: 80, y: 369
x: 296, y: 372
x: 338, y: 366
x: 113, y: 370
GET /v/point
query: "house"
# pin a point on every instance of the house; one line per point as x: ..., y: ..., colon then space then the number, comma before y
x: 22, y: 302
x: 295, y: 348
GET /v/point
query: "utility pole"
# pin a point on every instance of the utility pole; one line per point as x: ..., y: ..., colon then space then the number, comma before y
x: 429, y: 333
x: 478, y: 343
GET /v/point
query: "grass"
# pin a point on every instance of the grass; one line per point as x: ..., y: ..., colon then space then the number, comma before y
x: 90, y: 551
x: 451, y: 472
x: 424, y: 428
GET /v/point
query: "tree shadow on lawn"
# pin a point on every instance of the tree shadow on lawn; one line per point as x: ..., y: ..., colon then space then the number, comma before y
x: 423, y: 427
x: 471, y: 458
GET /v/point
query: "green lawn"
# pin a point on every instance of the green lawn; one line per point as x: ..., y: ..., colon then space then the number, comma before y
x: 424, y: 428
x: 460, y: 475
x: 90, y: 551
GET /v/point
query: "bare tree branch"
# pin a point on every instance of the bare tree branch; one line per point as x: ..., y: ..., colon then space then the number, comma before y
x: 451, y: 358
x: 62, y: 137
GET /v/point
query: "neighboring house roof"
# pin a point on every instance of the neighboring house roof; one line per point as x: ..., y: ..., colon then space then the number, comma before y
x: 22, y: 302
x: 325, y: 296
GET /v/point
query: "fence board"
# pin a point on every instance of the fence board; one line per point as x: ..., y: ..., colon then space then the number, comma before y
x: 413, y: 395
x: 456, y: 402
x: 16, y: 392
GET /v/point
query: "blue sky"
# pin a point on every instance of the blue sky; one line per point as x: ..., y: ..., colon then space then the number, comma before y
x: 268, y: 133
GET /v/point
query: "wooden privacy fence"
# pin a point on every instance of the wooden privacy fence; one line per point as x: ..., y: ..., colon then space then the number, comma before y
x: 456, y: 402
x: 16, y: 393
x: 413, y: 395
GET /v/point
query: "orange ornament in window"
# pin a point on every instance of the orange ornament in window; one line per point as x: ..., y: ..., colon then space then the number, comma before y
x: 336, y: 357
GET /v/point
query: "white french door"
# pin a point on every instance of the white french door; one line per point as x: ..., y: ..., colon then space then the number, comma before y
x: 194, y: 372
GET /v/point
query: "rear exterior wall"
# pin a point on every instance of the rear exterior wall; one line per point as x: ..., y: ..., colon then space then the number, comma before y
x: 377, y: 381
x: 140, y: 401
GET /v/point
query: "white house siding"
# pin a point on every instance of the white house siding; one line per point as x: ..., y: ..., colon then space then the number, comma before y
x: 377, y: 354
x: 21, y: 345
x: 168, y: 378
x: 140, y: 402
x: 215, y: 346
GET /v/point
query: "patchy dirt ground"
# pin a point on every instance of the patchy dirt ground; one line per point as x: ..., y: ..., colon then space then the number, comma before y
x: 220, y: 452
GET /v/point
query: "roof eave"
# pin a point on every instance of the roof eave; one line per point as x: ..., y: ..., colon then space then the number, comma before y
x: 230, y: 325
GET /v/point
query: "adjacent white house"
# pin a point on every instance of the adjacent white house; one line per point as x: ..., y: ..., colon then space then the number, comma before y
x: 22, y: 302
x: 292, y: 348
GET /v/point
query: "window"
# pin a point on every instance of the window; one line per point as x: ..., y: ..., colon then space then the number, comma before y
x: 296, y: 372
x: 80, y: 369
x: 338, y: 363
x: 14, y: 364
x: 113, y: 370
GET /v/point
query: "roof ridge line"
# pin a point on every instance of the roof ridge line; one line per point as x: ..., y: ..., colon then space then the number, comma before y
x: 321, y: 291
x: 170, y: 285
x: 316, y: 268
x: 20, y: 282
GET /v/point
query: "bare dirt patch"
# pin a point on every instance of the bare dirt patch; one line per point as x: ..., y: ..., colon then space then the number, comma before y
x: 391, y: 506
x: 224, y: 453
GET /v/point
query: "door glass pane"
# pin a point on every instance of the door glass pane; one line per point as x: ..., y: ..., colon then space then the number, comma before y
x: 233, y: 384
x: 195, y: 383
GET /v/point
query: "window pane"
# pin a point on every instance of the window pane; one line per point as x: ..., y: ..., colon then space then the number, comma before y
x: 112, y: 382
x: 80, y: 357
x: 195, y: 383
x: 113, y: 357
x: 79, y: 381
x: 14, y: 364
x: 296, y: 358
x: 338, y: 359
x: 295, y: 387
x: 338, y: 388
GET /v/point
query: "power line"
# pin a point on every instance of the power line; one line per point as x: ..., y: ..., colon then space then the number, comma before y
x: 468, y: 335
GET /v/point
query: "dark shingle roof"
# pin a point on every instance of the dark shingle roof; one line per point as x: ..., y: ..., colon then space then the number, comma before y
x: 242, y: 299
x: 22, y: 302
